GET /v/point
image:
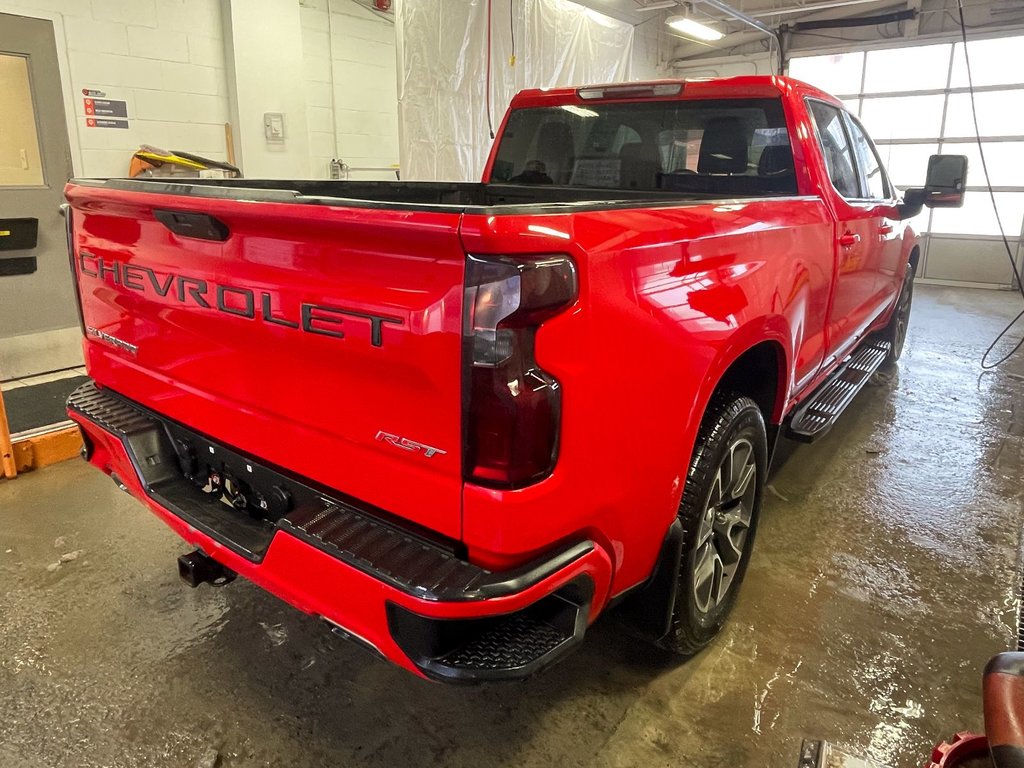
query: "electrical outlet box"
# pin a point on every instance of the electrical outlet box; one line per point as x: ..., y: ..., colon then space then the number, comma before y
x: 273, y: 127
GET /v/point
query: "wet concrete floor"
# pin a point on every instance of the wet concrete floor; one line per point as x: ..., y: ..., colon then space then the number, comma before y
x: 883, y: 578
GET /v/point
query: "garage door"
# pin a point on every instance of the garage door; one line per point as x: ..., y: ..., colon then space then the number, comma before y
x: 915, y: 102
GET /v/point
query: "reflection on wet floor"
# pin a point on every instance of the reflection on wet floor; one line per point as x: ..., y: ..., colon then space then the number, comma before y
x: 883, y: 579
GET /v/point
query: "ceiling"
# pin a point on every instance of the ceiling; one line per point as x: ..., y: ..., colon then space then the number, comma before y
x: 631, y: 11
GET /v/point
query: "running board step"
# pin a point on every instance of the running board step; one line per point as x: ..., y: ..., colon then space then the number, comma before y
x: 504, y: 647
x: 816, y: 415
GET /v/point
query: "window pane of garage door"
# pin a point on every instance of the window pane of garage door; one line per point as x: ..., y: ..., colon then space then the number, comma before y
x: 907, y: 164
x: 919, y: 68
x: 978, y: 218
x: 1005, y: 162
x: 902, y: 117
x: 1000, y: 113
x: 993, y: 62
x: 838, y: 74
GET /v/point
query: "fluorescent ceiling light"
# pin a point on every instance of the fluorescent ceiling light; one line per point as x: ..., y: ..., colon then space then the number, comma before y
x: 687, y: 26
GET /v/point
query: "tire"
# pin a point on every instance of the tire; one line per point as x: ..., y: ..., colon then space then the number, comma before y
x: 718, y: 511
x: 896, y: 331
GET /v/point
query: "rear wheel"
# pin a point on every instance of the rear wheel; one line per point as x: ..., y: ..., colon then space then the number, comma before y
x: 896, y: 331
x: 718, y: 512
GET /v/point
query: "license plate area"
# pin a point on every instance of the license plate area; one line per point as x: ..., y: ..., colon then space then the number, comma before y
x: 236, y: 482
x: 242, y: 503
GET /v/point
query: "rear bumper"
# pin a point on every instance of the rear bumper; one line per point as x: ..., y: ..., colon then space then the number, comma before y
x: 394, y: 590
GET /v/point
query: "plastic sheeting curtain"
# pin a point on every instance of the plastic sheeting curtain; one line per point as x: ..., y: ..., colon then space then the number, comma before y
x: 442, y: 65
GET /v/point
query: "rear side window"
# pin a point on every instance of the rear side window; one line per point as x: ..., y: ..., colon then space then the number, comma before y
x: 706, y: 146
x: 835, y: 144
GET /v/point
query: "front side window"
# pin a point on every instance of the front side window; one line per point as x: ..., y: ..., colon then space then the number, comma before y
x: 735, y: 147
x: 836, y: 147
x: 873, y: 179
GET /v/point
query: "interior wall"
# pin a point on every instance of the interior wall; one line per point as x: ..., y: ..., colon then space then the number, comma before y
x: 443, y: 101
x: 265, y: 75
x: 649, y: 51
x: 163, y: 57
x: 354, y: 76
x: 731, y: 66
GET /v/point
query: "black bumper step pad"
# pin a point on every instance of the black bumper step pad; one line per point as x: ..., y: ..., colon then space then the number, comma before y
x: 113, y: 414
x: 405, y: 561
x: 514, y: 642
x: 507, y: 647
x: 816, y: 415
x: 152, y: 453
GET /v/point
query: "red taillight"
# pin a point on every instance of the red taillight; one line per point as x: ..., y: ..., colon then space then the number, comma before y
x: 512, y: 406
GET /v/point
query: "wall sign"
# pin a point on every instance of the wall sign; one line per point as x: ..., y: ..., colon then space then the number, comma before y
x: 105, y: 107
x: 103, y: 112
x: 101, y: 122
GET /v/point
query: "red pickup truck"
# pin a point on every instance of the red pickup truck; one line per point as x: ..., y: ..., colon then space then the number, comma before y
x: 459, y: 421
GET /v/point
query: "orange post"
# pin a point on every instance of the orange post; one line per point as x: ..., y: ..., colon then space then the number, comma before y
x: 48, y: 448
x: 6, y: 449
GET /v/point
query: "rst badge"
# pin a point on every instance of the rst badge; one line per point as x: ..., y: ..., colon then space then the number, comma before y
x: 409, y: 445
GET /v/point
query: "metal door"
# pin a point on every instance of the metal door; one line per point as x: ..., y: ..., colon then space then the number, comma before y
x: 38, y: 318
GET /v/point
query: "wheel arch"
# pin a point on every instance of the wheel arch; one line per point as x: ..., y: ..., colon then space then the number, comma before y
x: 914, y: 258
x: 760, y: 372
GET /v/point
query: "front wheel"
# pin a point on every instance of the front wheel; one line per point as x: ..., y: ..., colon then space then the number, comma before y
x: 718, y: 513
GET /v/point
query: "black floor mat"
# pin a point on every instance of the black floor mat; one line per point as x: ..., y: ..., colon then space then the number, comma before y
x: 39, y: 405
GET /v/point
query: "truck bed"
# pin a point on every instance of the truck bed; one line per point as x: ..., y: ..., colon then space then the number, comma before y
x: 419, y: 195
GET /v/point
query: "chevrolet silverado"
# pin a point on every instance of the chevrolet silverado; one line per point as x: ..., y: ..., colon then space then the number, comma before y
x: 460, y: 421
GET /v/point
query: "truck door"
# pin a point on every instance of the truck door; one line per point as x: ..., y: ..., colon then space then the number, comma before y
x: 855, y: 299
x: 878, y: 191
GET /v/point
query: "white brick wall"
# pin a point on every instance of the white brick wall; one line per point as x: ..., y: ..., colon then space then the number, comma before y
x: 162, y: 44
x: 365, y: 87
x: 164, y: 57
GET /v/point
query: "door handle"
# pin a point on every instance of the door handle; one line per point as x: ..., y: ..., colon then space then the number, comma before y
x: 849, y: 239
x: 885, y: 229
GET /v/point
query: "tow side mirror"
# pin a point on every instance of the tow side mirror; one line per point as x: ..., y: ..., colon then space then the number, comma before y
x: 943, y: 186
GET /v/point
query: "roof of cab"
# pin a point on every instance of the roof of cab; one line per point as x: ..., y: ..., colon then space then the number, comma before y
x: 745, y: 86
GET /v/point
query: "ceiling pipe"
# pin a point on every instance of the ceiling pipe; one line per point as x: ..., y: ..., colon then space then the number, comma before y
x: 860, y: 21
x: 810, y: 8
x: 745, y: 38
x: 750, y: 21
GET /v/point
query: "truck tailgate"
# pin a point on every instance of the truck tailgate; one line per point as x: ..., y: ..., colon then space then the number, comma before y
x: 325, y: 340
